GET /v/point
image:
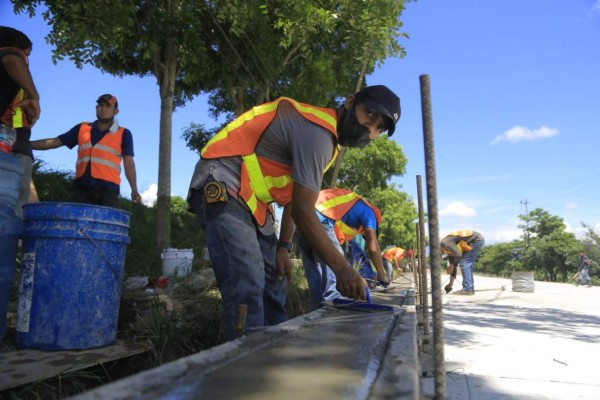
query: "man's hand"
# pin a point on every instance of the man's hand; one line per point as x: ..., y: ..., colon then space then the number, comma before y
x: 351, y: 284
x: 32, y: 109
x: 136, y: 198
x: 284, y: 264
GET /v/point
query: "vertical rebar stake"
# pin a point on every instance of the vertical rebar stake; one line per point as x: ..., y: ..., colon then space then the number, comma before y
x: 423, y: 270
x: 434, y: 241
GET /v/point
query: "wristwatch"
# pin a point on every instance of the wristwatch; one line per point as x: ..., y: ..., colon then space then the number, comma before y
x: 287, y: 245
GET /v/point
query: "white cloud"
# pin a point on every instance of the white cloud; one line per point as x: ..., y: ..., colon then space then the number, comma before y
x: 521, y: 134
x: 149, y: 195
x: 502, y: 235
x: 572, y: 205
x: 458, y: 209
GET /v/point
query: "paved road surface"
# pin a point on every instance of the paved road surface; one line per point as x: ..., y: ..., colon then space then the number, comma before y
x: 510, y: 345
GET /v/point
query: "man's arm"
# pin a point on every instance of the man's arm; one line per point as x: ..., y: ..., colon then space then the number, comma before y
x: 349, y: 282
x: 46, y: 144
x: 18, y: 70
x: 131, y: 176
x: 375, y: 255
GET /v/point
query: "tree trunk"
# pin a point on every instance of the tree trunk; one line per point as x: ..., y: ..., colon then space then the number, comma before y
x: 163, y: 203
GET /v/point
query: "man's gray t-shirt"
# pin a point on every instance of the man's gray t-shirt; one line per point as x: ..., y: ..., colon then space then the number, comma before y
x: 290, y: 139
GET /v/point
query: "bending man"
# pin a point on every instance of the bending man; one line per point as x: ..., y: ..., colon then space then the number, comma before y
x: 462, y: 248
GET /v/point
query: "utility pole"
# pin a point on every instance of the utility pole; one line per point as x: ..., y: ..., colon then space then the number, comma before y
x: 526, y: 222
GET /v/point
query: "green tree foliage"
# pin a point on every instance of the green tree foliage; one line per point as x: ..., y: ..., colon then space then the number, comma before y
x: 550, y: 251
x: 307, y: 50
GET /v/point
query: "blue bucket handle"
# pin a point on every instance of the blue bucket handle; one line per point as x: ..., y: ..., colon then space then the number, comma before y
x: 103, y: 254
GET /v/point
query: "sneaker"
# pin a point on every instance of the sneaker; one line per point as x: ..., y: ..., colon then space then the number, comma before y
x: 464, y: 293
x: 448, y: 288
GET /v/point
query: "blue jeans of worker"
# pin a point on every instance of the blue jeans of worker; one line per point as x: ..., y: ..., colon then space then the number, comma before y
x: 321, y: 279
x: 584, y: 277
x: 243, y: 260
x: 389, y: 269
x: 467, y: 264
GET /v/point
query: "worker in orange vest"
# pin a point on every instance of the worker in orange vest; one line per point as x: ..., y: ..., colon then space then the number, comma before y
x: 102, y: 145
x: 277, y: 153
x: 393, y: 255
x: 343, y: 215
x: 462, y: 248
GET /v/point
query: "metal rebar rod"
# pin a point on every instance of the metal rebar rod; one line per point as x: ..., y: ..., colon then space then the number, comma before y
x: 423, y: 266
x: 434, y: 240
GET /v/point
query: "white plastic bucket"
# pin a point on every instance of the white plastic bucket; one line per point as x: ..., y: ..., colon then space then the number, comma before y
x: 177, y: 262
x: 523, y: 281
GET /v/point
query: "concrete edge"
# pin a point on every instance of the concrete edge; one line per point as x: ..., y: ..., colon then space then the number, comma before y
x: 399, y: 375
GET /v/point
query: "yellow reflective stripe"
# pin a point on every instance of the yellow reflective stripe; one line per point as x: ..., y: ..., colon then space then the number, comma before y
x: 252, y: 203
x: 310, y: 110
x: 348, y: 231
x: 239, y: 121
x: 277, y: 181
x: 336, y: 201
x: 462, y: 233
x: 257, y: 181
x: 17, y: 119
x: 336, y: 151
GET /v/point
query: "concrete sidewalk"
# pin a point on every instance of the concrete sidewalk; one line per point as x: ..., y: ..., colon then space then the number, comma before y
x: 501, y: 344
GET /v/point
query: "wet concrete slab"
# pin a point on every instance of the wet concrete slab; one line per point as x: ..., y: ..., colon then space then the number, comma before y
x: 328, y: 354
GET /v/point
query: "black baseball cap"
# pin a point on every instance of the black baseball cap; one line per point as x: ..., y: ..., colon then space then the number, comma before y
x: 110, y: 99
x: 382, y: 100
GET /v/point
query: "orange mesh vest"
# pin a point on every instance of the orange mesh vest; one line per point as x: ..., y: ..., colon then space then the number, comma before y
x: 105, y: 155
x: 334, y: 204
x: 263, y: 181
x: 14, y: 116
x: 392, y: 253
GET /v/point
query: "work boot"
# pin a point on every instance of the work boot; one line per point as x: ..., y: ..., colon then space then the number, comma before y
x: 448, y: 288
x: 464, y: 293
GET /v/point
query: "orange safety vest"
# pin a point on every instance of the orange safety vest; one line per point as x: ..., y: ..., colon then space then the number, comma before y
x: 264, y: 181
x: 334, y: 204
x: 14, y: 116
x: 392, y: 253
x: 105, y: 155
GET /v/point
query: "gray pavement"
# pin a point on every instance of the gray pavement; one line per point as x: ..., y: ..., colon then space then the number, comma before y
x: 501, y: 344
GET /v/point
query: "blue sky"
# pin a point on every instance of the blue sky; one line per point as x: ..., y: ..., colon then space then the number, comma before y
x: 515, y: 90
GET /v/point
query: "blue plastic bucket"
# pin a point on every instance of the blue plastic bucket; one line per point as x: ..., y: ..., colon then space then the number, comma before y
x: 10, y: 228
x: 71, y: 275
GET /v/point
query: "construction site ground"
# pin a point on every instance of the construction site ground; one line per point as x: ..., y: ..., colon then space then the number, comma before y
x: 501, y: 344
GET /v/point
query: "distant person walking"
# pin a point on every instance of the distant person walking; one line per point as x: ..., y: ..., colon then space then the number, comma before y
x: 19, y: 102
x: 103, y: 144
x: 583, y: 276
x: 462, y: 248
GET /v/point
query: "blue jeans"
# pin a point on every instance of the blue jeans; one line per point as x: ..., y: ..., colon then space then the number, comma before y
x: 467, y: 263
x: 321, y: 279
x: 243, y: 260
x: 584, y: 277
x: 389, y: 269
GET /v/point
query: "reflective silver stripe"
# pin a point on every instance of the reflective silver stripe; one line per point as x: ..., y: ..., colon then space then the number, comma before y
x: 107, y: 163
x: 108, y: 149
x: 85, y: 146
x: 83, y: 160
